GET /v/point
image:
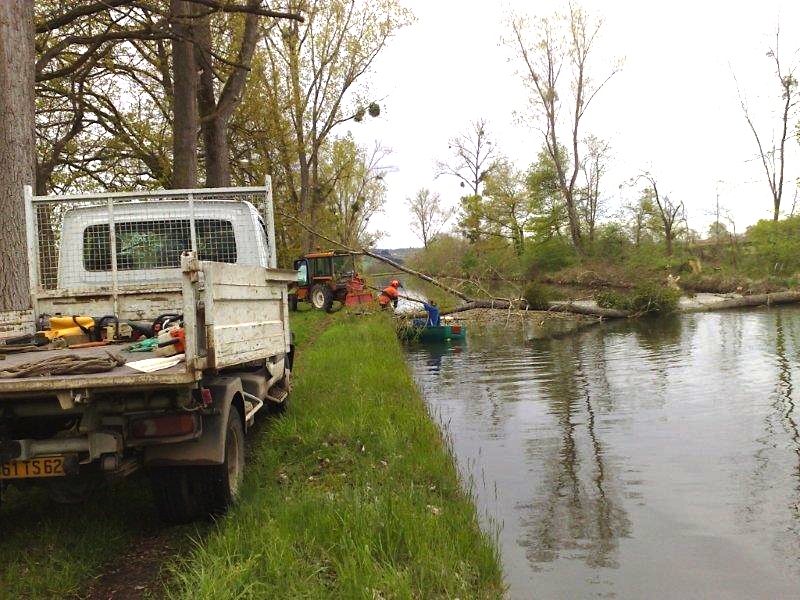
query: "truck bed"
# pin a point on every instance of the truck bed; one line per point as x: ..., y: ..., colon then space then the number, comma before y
x: 117, y: 377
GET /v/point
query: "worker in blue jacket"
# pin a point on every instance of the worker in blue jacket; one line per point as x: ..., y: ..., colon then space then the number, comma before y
x: 433, y: 314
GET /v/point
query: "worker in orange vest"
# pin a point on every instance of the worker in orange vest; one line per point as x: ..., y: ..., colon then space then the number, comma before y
x: 389, y: 294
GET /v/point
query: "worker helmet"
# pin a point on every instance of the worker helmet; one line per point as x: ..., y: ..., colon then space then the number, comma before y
x: 395, y: 283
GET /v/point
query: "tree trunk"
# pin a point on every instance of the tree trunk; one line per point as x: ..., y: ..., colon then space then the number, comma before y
x: 17, y: 143
x: 574, y: 223
x: 207, y: 103
x: 668, y: 237
x: 215, y: 115
x: 184, y: 103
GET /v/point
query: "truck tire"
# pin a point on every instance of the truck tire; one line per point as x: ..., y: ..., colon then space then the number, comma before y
x: 293, y: 302
x: 322, y: 297
x: 186, y: 494
x: 73, y: 490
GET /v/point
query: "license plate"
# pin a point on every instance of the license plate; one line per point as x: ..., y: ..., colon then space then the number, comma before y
x: 46, y: 466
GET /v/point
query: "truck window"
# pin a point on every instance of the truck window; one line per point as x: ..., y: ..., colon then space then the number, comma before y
x: 343, y: 264
x: 302, y: 273
x: 157, y: 244
x: 322, y: 267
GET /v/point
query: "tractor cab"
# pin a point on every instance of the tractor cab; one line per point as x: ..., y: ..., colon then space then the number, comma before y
x: 323, y: 277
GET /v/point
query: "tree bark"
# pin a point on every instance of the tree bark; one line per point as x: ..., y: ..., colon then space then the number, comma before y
x: 17, y: 143
x: 215, y: 115
x: 184, y: 102
x: 592, y: 311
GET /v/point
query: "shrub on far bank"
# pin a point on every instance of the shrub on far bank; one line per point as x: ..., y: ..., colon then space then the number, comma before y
x: 649, y: 298
x: 774, y: 247
x: 611, y: 242
x: 539, y: 296
x: 549, y: 256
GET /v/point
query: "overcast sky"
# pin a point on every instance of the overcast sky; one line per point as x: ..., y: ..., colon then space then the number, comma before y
x: 673, y: 109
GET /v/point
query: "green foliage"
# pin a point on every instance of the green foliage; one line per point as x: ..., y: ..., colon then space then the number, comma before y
x: 611, y: 299
x: 443, y: 256
x: 449, y: 255
x: 538, y: 296
x: 469, y: 223
x: 611, y: 242
x: 507, y: 207
x: 774, y: 247
x: 548, y: 256
x: 648, y: 298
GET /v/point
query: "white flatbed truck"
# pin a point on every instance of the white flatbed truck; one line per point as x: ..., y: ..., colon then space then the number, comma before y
x: 202, y: 258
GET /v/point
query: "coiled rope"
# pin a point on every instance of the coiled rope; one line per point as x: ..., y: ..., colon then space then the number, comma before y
x: 69, y: 364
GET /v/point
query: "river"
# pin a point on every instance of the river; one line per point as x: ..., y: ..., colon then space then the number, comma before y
x: 643, y: 459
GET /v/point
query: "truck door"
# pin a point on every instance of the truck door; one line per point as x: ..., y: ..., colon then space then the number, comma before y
x: 301, y: 266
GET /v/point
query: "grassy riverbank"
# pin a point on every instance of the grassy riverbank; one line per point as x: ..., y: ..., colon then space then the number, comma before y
x: 351, y: 495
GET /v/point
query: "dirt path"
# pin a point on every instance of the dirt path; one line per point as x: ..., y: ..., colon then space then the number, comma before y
x: 137, y: 574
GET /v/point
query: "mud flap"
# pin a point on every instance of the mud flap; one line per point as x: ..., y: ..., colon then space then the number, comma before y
x: 209, y: 448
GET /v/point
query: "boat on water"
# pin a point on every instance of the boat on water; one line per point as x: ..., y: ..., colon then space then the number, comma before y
x: 423, y: 331
x: 433, y: 329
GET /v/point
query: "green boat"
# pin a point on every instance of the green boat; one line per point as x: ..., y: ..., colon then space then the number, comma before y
x: 417, y: 330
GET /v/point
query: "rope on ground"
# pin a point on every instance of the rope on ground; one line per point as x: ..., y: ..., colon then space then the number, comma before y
x: 69, y: 364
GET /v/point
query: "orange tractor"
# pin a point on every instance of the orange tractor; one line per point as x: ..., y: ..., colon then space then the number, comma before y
x: 324, y: 277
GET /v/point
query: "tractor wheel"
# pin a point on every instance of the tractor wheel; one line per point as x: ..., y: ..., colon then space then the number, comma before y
x: 293, y: 302
x: 321, y: 297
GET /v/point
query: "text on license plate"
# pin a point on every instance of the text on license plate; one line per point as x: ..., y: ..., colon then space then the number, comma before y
x: 46, y: 466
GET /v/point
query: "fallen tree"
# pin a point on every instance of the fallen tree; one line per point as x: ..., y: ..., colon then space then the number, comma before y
x: 591, y: 310
x: 746, y: 301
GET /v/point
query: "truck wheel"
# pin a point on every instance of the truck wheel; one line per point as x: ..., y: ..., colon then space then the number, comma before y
x: 292, y: 302
x: 322, y: 297
x: 73, y: 490
x: 185, y: 494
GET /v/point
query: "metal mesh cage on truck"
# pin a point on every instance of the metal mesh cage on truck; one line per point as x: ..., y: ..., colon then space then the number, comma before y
x: 110, y: 241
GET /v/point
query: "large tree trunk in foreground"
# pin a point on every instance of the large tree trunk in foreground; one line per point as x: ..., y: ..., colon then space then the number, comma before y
x: 216, y: 114
x: 184, y: 103
x: 16, y: 147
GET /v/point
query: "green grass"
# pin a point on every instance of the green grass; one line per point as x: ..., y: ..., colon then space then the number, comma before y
x: 352, y: 494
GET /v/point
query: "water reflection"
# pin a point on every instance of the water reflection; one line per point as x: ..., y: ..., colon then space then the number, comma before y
x: 574, y: 514
x: 783, y: 402
x: 657, y: 458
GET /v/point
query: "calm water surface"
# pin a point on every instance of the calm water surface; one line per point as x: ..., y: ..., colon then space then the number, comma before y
x: 656, y: 459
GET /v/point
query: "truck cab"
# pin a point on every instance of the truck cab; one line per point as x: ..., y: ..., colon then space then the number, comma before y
x: 150, y: 236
